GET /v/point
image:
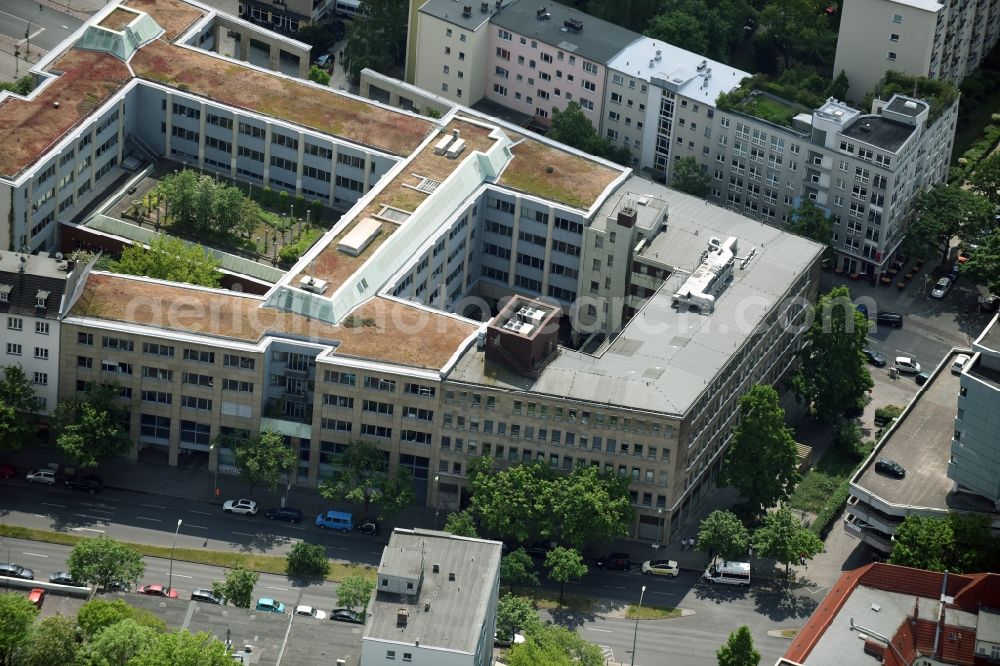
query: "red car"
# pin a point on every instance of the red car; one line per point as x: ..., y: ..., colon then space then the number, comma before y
x: 158, y: 591
x: 7, y: 471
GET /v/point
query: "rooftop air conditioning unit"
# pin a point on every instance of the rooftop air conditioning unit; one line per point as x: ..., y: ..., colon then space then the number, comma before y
x: 702, y: 65
x: 659, y: 55
x: 467, y: 11
x: 455, y: 149
x: 314, y: 285
x: 484, y: 7
x: 573, y: 24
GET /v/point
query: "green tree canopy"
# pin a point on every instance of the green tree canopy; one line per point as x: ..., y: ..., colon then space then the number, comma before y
x: 681, y: 29
x: 308, y: 559
x: 363, y: 478
x: 986, y: 179
x: 564, y: 564
x: 572, y: 127
x: 319, y: 75
x: 182, y: 648
x: 553, y: 645
x: 795, y: 27
x: 590, y: 507
x: 18, y: 405
x: 810, y: 221
x: 169, y: 258
x: 98, y: 614
x: 460, y: 523
x: 960, y: 544
x: 689, y: 177
x: 90, y: 429
x: 263, y: 459
x: 103, y: 561
x: 942, y: 212
x: 17, y: 617
x: 783, y: 538
x: 984, y: 264
x: 517, y: 569
x: 839, y: 87
x: 762, y: 460
x: 379, y: 42
x: 631, y: 14
x: 118, y: 643
x: 514, y: 614
x: 717, y: 24
x: 237, y: 589
x: 722, y: 534
x: 355, y: 591
x: 833, y: 376
x: 54, y: 641
x: 739, y: 649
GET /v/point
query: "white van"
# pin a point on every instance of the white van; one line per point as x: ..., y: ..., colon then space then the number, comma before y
x: 729, y: 573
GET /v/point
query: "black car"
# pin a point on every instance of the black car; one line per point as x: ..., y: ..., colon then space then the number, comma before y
x: 952, y: 273
x: 346, y: 615
x: 16, y: 571
x: 615, y: 561
x: 367, y: 527
x: 890, y: 468
x: 88, y: 482
x: 537, y: 549
x: 893, y: 319
x: 63, y: 578
x: 206, y: 596
x: 875, y: 358
x: 989, y: 303
x: 287, y: 514
x: 118, y: 586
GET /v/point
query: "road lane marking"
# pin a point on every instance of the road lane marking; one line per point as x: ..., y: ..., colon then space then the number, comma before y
x: 245, y: 534
x: 268, y: 587
x: 293, y: 527
x: 603, y: 631
x: 177, y: 575
x: 88, y: 529
x: 666, y: 594
x: 83, y: 515
x: 196, y: 527
x: 154, y: 506
x: 201, y: 513
x: 58, y: 506
x: 155, y: 520
x: 34, y: 555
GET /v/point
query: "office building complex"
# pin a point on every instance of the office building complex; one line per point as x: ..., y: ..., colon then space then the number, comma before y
x: 940, y: 40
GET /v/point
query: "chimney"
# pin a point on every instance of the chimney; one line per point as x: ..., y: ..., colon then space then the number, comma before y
x: 402, y: 615
x: 455, y: 133
x: 467, y: 11
x: 627, y: 217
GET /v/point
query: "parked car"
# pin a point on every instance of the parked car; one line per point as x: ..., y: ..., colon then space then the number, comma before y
x: 309, y: 611
x: 952, y: 273
x: 16, y: 571
x: 118, y: 586
x: 875, y: 358
x: 346, y: 615
x: 241, y: 506
x: 907, y: 364
x: 893, y: 319
x: 890, y: 468
x: 64, y: 578
x: 941, y: 288
x: 958, y: 365
x: 88, y: 482
x: 615, y: 561
x: 660, y: 568
x: 287, y: 514
x: 270, y: 605
x: 46, y: 476
x: 36, y: 596
x: 207, y: 596
x: 158, y: 591
x: 7, y: 471
x: 989, y: 303
x: 335, y: 520
x: 368, y: 527
x: 922, y: 378
x: 537, y: 549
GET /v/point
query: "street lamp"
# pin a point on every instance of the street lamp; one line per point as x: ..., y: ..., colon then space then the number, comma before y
x: 170, y: 576
x: 215, y: 484
x: 663, y: 523
x: 437, y: 509
x: 635, y: 634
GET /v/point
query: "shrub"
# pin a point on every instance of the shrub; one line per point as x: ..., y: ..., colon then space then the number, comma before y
x: 831, y: 509
x: 266, y: 196
x: 847, y: 436
x: 299, y: 205
x: 884, y: 415
x: 308, y: 559
x: 290, y: 253
x: 317, y: 211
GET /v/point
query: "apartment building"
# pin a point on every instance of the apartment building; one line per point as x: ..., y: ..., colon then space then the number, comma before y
x: 447, y: 314
x: 940, y: 40
x: 435, y: 601
x: 975, y: 457
x: 287, y: 15
x: 33, y: 294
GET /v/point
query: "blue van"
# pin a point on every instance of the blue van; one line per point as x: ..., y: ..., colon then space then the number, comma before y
x: 335, y: 520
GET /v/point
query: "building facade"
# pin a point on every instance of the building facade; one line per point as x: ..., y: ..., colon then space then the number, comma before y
x: 939, y: 40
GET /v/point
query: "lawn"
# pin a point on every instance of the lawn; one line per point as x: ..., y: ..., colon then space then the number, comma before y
x: 822, y: 480
x: 771, y: 109
x: 652, y: 613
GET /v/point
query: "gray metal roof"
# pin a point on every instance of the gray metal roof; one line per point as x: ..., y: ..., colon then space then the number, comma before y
x: 457, y: 609
x: 599, y: 40
x: 39, y: 274
x: 880, y: 132
x: 451, y: 11
x: 664, y: 358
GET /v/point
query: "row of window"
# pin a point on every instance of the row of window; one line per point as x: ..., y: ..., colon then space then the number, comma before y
x: 17, y: 323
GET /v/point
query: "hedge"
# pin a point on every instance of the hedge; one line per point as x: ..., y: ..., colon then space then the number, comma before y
x: 831, y: 509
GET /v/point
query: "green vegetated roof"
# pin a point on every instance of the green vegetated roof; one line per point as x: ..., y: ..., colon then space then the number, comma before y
x: 936, y: 92
x: 768, y: 100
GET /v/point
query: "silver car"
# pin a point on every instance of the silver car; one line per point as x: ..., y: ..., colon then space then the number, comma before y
x: 941, y: 288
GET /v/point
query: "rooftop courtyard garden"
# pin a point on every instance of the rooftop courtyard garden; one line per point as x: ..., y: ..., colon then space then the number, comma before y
x: 939, y: 94
x: 780, y: 100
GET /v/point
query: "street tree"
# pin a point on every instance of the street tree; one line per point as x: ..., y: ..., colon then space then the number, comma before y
x: 517, y: 569
x: 103, y: 561
x: 564, y: 564
x: 118, y: 643
x: 810, y: 221
x: 553, y: 645
x: 943, y: 212
x: 309, y: 560
x: 364, y: 478
x: 722, y: 533
x: 237, y: 589
x: 783, y: 538
x: 18, y: 406
x: 355, y: 591
x: 54, y: 640
x: 689, y: 177
x: 169, y: 258
x: 182, y: 648
x: 794, y: 26
x: 514, y: 614
x: 984, y: 264
x: 833, y: 376
x: 589, y: 507
x: 986, y: 179
x: 319, y: 75
x: 515, y: 503
x: 263, y: 459
x: 460, y: 523
x: 739, y: 649
x: 89, y: 429
x: 762, y: 459
x: 98, y: 614
x: 17, y: 617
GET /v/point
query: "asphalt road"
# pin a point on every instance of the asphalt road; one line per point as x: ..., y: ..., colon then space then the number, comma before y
x: 48, y: 26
